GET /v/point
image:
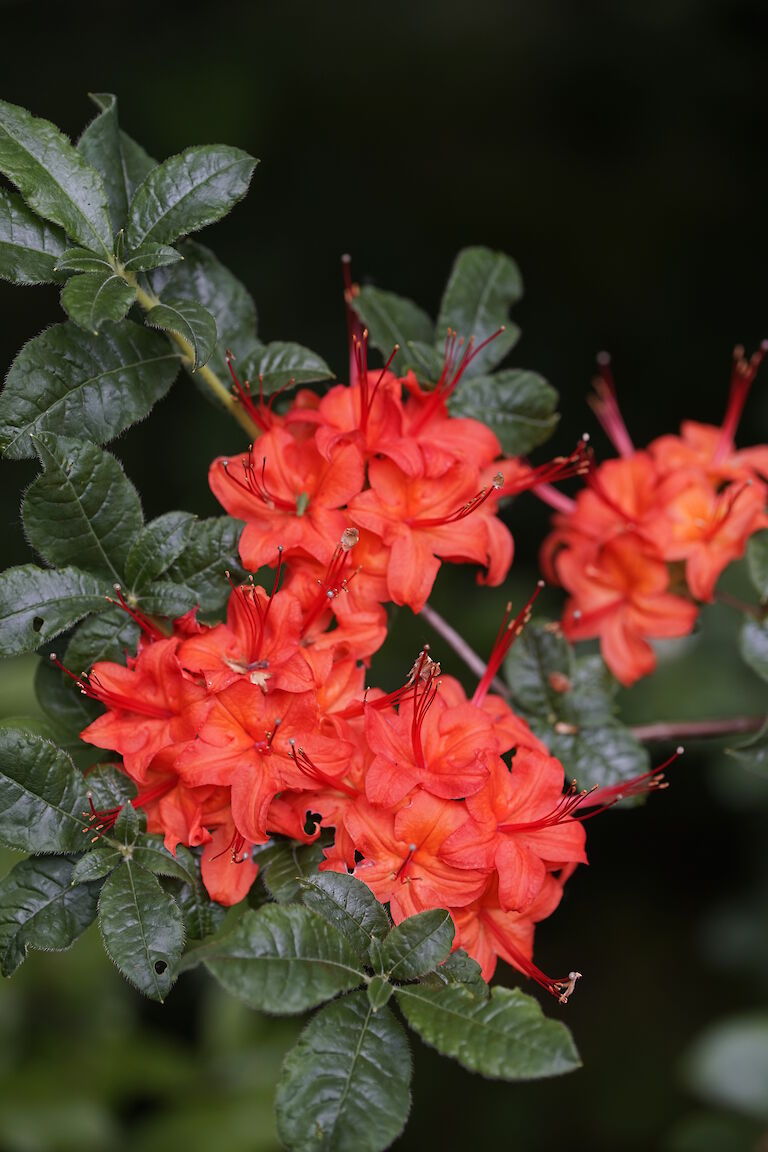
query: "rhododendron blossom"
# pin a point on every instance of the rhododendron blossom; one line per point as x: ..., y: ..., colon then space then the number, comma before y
x: 647, y: 539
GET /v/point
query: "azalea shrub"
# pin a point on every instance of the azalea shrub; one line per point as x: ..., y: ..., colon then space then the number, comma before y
x: 216, y: 779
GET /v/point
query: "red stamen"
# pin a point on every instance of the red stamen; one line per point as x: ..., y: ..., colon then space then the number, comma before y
x: 400, y: 874
x: 508, y: 632
x: 424, y: 668
x: 148, y: 627
x: 743, y: 374
x: 425, y: 688
x: 333, y: 583
x: 236, y: 846
x: 260, y: 411
x: 465, y: 510
x: 90, y: 686
x: 354, y: 326
x: 367, y: 394
x: 102, y: 820
x: 308, y: 767
x: 578, y: 463
x: 255, y: 483
x: 605, y: 405
x: 457, y: 358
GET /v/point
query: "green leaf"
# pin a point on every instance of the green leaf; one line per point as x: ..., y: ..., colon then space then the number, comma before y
x: 757, y: 562
x: 127, y: 827
x: 753, y: 753
x: 164, y: 598
x: 83, y: 260
x: 42, y: 795
x: 107, y: 636
x: 423, y: 359
x: 417, y: 945
x: 505, y: 1036
x: 95, y: 865
x: 391, y: 320
x: 482, y: 287
x: 518, y: 406
x: 345, y: 1086
x: 109, y: 787
x: 39, y: 908
x: 569, y: 704
x: 36, y: 605
x: 281, y: 363
x: 122, y: 162
x: 729, y: 1065
x: 202, y: 916
x: 142, y: 929
x: 82, y: 508
x: 74, y: 384
x: 150, y: 853
x: 157, y: 546
x: 379, y: 992
x: 460, y: 968
x: 204, y: 279
x: 188, y: 192
x: 53, y: 178
x: 188, y: 319
x: 290, y: 863
x: 29, y: 248
x: 349, y: 905
x: 753, y: 644
x: 95, y: 297
x: 149, y: 256
x: 211, y: 552
x: 284, y: 959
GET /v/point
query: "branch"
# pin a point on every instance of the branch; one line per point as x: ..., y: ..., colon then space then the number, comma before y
x: 474, y: 662
x: 696, y: 729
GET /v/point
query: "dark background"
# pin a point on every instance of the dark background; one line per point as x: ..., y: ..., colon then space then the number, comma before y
x: 618, y: 152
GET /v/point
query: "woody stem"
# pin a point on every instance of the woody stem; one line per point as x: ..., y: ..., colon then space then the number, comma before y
x: 148, y: 300
x: 474, y: 662
x: 696, y: 729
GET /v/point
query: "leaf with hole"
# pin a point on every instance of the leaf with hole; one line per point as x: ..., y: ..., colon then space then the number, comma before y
x: 75, y: 384
x: 37, y: 604
x: 345, y: 1086
x: 53, y: 177
x: 481, y: 289
x: 82, y: 508
x: 505, y: 1036
x: 40, y: 908
x: 42, y: 795
x: 30, y: 248
x: 190, y: 320
x: 141, y: 928
x: 284, y: 959
x: 188, y: 192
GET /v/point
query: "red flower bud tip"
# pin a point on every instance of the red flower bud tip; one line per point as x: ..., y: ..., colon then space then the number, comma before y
x: 260, y: 411
x: 147, y: 626
x: 254, y: 484
x: 743, y: 373
x: 508, y: 632
x: 605, y: 405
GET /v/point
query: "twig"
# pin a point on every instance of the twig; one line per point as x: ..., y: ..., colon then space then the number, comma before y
x: 696, y: 729
x: 474, y: 662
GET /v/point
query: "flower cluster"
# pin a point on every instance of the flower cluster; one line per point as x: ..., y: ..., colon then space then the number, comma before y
x: 649, y: 535
x: 262, y: 725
